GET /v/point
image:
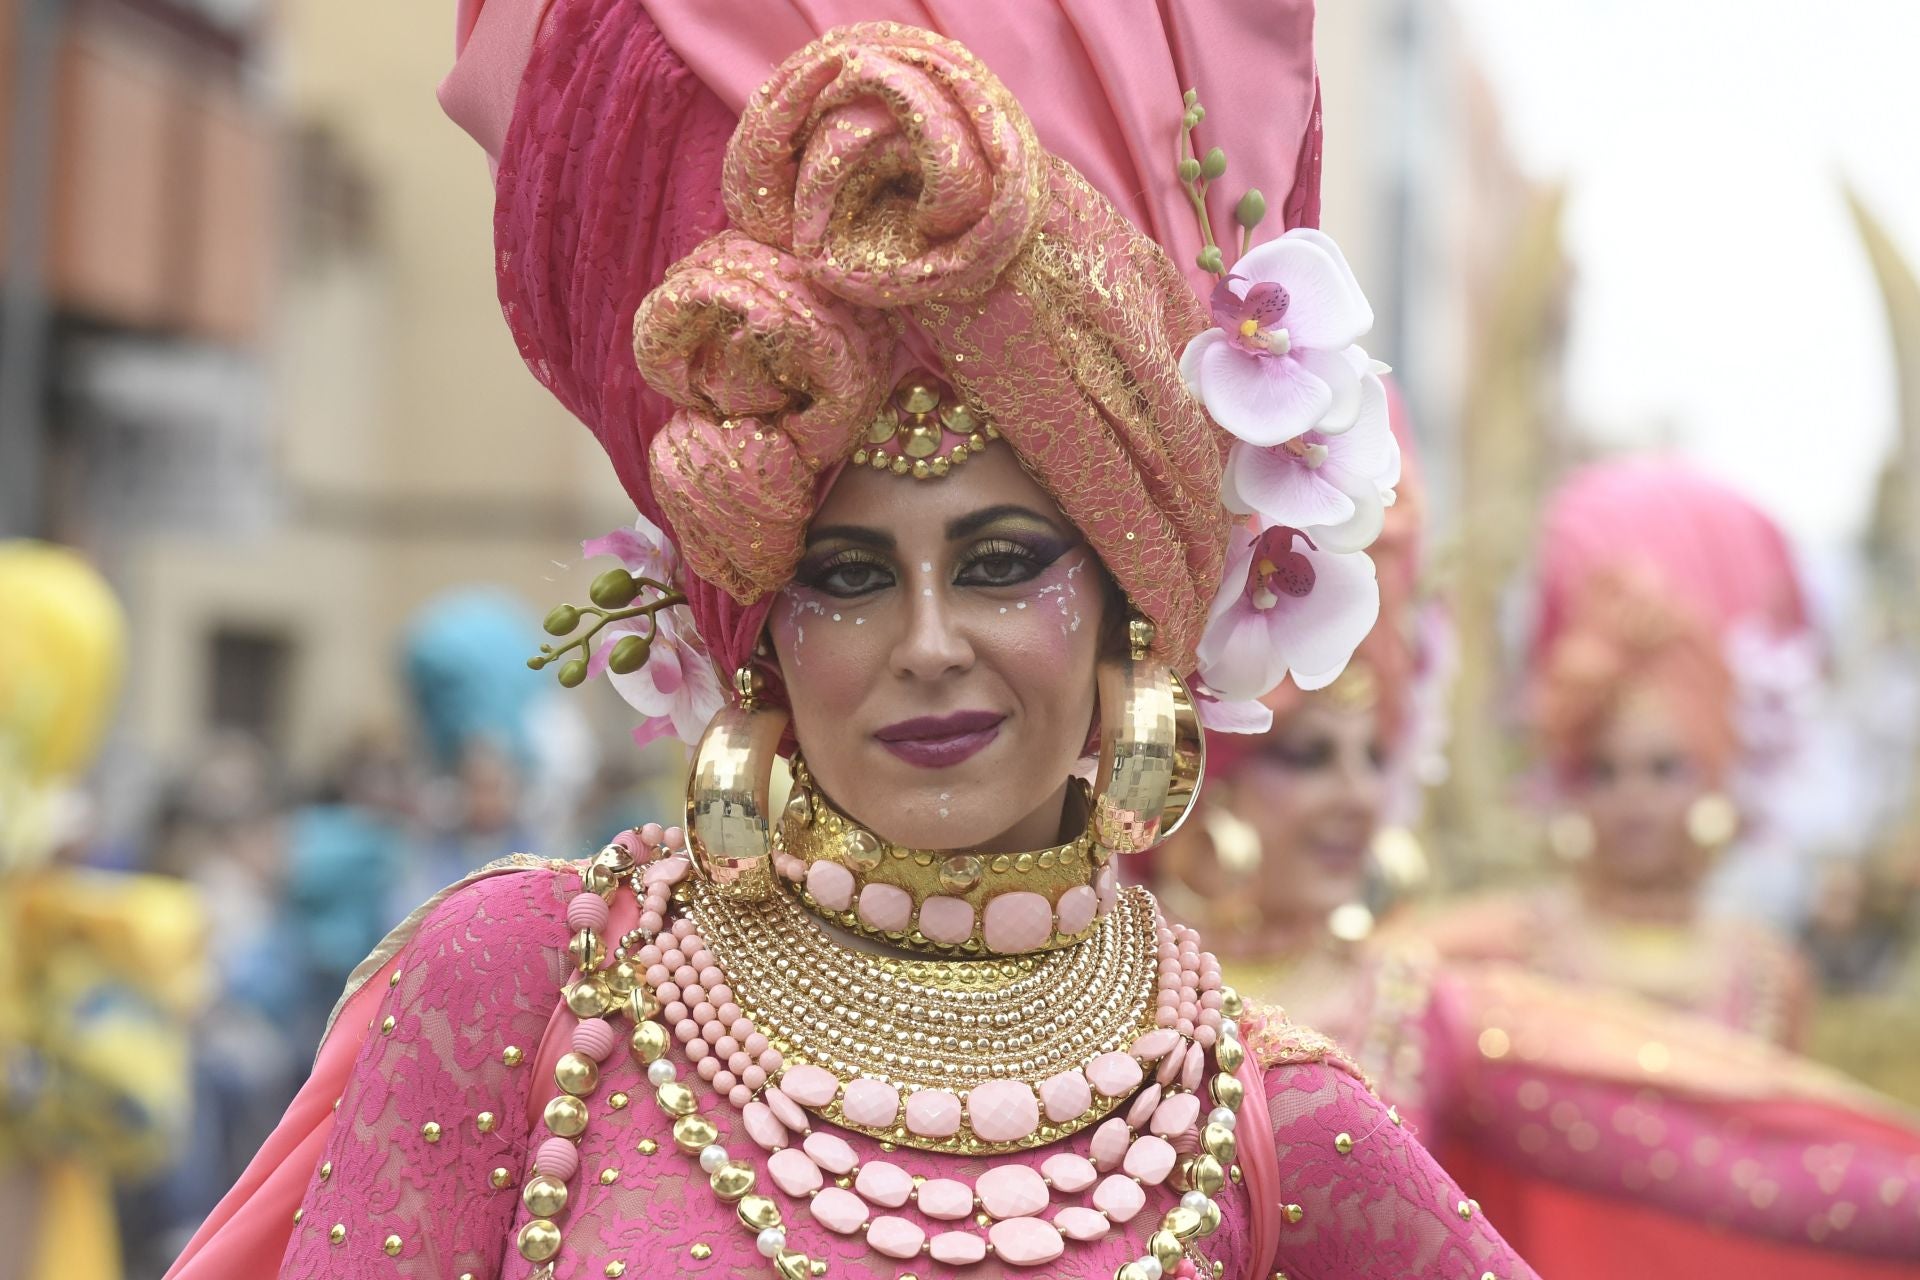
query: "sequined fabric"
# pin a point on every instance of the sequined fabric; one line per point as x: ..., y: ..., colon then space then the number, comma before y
x: 484, y: 972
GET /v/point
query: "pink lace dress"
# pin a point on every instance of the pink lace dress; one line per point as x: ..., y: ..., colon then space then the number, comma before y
x: 441, y: 1063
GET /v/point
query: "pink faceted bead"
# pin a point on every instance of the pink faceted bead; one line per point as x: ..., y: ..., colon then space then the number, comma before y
x: 753, y: 1077
x: 1119, y: 1197
x: 1169, y: 1072
x: 710, y: 975
x: 1003, y: 1110
x: 726, y: 1046
x: 557, y: 1158
x: 594, y: 1039
x: 739, y: 1095
x: 895, y: 1237
x: 1196, y: 1066
x: 1082, y: 1224
x: 1068, y: 1172
x: 707, y: 1067
x: 741, y: 1029
x: 1011, y: 1191
x: 651, y: 921
x: 1017, y: 922
x: 809, y: 1086
x: 885, y: 907
x: 723, y: 1081
x: 1149, y: 1159
x: 957, y: 1248
x: 770, y: 1061
x: 933, y: 1113
x: 674, y: 838
x: 1065, y: 1096
x: 686, y: 1029
x: 682, y: 927
x: 587, y: 911
x: 1106, y: 884
x: 1077, y: 908
x: 872, y: 1104
x: 755, y: 1043
x: 1115, y: 1074
x: 1176, y: 1115
x: 651, y: 834
x: 766, y: 1131
x: 1026, y: 1242
x: 946, y: 920
x: 1110, y: 1144
x: 839, y: 1210
x: 945, y: 1198
x: 883, y: 1184
x: 829, y: 1152
x: 1154, y: 1045
x: 794, y: 1173
x: 787, y: 1111
x: 1166, y: 1015
x: 737, y: 1062
x: 1205, y: 1036
x: 1142, y: 1109
x: 831, y: 885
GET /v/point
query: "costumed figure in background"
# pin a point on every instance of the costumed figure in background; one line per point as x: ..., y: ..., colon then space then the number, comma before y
x: 99, y: 971
x: 1670, y: 659
x: 946, y: 465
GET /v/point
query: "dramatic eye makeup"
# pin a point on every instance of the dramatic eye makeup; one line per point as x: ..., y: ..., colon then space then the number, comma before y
x: 997, y: 547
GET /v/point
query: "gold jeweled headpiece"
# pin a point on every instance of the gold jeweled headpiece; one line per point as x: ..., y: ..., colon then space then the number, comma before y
x: 924, y: 429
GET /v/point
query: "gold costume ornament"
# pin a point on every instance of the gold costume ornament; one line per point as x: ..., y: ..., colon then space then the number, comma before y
x: 729, y: 793
x: 924, y: 430
x: 1713, y: 821
x: 1152, y: 750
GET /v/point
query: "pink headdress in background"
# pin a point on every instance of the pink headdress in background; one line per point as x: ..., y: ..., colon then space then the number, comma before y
x: 884, y: 190
x: 1650, y: 575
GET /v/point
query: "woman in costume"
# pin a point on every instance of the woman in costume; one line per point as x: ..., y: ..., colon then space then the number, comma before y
x: 910, y: 398
x: 98, y: 971
x: 1670, y: 647
x: 1580, y: 1114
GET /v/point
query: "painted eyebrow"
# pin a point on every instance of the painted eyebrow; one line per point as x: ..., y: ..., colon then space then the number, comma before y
x: 957, y: 528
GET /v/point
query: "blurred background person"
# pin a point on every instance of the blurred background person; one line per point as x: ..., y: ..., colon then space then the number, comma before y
x: 99, y: 971
x: 1668, y: 609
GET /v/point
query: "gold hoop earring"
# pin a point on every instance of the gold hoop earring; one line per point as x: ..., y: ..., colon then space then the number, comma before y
x: 1152, y: 751
x: 729, y: 832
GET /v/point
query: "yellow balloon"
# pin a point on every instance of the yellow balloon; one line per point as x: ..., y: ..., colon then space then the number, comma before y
x: 62, y: 655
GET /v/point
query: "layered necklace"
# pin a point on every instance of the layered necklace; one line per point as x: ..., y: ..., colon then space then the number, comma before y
x: 980, y: 1057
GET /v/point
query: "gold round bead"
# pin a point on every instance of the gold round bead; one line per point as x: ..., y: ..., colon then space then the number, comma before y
x: 609, y: 1176
x: 511, y: 1055
x: 430, y: 1131
x: 939, y: 466
x: 501, y: 1178
x: 1131, y: 1271
x: 614, y: 1270
x: 589, y: 998
x: 1227, y: 1091
x: 337, y: 1233
x: 816, y: 1267
x: 1209, y: 1219
x: 1231, y: 1005
x: 881, y: 429
x: 1166, y: 1250
x: 618, y: 1101
x: 922, y: 469
x: 956, y: 417
x: 1207, y: 1175
x: 917, y: 397
x: 792, y: 1265
x: 675, y: 1099
x: 960, y: 873
x: 576, y: 1073
x: 544, y: 1195
x: 642, y: 1004
x: 566, y: 1116
x: 862, y: 847
x: 326, y: 1170
x: 1218, y: 1141
x: 649, y: 1041
x: 694, y: 1133
x: 1343, y: 1143
x: 391, y: 1246
x: 901, y: 466
x: 701, y: 1251
x: 1182, y: 1221
x: 297, y: 1215
x: 1464, y: 1209
x: 539, y: 1240
x: 386, y: 1025
x: 1294, y: 1213
x: 586, y: 951
x: 485, y: 1121
x: 1229, y: 1054
x: 647, y: 1146
x: 621, y: 979
x: 731, y: 1181
x: 799, y: 811
x: 758, y: 1212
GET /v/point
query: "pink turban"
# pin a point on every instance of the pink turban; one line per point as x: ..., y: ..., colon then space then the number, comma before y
x: 1645, y: 568
x: 1039, y: 149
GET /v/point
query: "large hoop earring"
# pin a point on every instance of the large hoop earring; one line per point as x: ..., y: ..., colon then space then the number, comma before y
x: 1152, y: 751
x: 729, y: 831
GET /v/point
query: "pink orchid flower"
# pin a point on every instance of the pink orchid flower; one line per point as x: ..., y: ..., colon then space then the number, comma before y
x: 677, y: 689
x: 1277, y: 364
x: 1285, y: 607
x: 1336, y: 487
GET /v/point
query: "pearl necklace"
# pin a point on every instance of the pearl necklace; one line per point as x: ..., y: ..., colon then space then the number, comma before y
x: 1134, y: 1152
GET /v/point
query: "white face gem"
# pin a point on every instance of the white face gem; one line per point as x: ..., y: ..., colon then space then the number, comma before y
x: 926, y: 566
x: 836, y: 617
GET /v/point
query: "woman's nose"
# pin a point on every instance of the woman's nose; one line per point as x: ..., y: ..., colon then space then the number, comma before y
x: 934, y: 643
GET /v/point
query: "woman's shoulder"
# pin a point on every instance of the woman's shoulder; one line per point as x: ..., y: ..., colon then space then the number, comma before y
x: 505, y: 920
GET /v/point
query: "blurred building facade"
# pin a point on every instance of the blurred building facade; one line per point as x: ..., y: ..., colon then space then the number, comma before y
x: 280, y: 406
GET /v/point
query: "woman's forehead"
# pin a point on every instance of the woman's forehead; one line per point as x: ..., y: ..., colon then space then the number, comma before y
x: 924, y: 508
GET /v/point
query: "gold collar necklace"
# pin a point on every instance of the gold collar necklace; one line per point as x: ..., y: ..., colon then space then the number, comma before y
x: 952, y: 904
